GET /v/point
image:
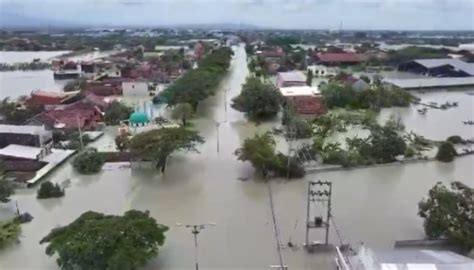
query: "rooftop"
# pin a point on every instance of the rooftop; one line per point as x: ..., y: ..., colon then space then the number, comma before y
x: 430, y: 82
x: 299, y: 91
x: 20, y: 151
x: 342, y: 57
x: 22, y: 129
x: 292, y: 76
x: 456, y: 63
x: 49, y: 94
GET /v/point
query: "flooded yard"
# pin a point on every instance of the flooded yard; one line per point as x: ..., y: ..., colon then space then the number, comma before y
x: 375, y: 205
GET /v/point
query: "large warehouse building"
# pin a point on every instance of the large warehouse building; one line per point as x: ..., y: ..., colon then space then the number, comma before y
x: 445, y: 67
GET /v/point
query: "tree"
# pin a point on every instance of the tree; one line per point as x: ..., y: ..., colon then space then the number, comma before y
x: 183, y: 111
x: 446, y: 152
x: 455, y: 139
x: 258, y: 100
x: 49, y: 190
x: 116, y: 113
x: 95, y: 241
x: 309, y: 78
x: 386, y: 144
x: 259, y: 150
x: 122, y: 142
x: 15, y: 114
x: 365, y: 78
x: 159, y: 144
x: 449, y: 214
x: 6, y: 188
x: 88, y: 161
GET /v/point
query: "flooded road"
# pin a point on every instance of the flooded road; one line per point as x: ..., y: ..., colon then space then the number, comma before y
x: 376, y: 205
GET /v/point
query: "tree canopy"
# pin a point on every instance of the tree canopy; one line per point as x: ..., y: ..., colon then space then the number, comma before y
x: 95, y: 241
x: 258, y: 100
x: 260, y: 151
x: 6, y: 188
x: 49, y: 190
x: 14, y: 114
x: 158, y: 144
x: 448, y: 213
x: 88, y: 161
x: 116, y: 113
x: 446, y: 152
x: 200, y: 83
x: 183, y: 111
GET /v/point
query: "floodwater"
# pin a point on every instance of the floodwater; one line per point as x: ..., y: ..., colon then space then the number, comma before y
x: 18, y: 83
x: 376, y: 205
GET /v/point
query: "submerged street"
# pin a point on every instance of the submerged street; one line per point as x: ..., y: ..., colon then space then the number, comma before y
x: 376, y: 205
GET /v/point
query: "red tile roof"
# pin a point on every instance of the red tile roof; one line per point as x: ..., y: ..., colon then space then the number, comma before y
x: 342, y: 57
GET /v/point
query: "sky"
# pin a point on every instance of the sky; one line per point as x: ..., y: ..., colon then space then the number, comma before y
x: 285, y: 14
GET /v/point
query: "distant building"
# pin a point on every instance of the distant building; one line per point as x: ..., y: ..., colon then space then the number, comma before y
x: 28, y: 135
x: 199, y: 50
x: 135, y: 88
x: 446, y: 67
x: 305, y: 99
x: 41, y: 97
x: 322, y: 71
x: 292, y: 78
x: 332, y: 59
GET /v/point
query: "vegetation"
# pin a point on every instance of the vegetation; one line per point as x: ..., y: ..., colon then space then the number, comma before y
x: 183, y: 111
x: 200, y: 83
x: 447, y: 213
x: 338, y: 95
x: 455, y: 139
x: 116, y: 113
x: 49, y: 190
x: 309, y: 78
x: 258, y: 100
x: 413, y: 52
x: 95, y: 241
x: 14, y: 114
x: 260, y: 151
x: 446, y: 152
x: 9, y: 231
x: 122, y: 142
x: 6, y: 190
x: 158, y: 144
x: 88, y: 161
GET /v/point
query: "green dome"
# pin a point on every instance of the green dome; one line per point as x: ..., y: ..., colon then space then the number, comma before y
x: 138, y: 118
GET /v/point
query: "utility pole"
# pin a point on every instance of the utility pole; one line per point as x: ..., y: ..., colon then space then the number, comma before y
x: 195, y: 230
x: 319, y: 192
x: 225, y: 104
x: 217, y: 135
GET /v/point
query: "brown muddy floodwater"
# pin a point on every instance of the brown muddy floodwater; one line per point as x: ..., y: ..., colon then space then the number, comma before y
x: 375, y: 205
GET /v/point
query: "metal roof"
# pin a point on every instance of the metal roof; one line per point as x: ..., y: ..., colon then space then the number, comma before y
x: 456, y: 63
x: 35, y: 130
x: 21, y: 151
x: 409, y: 259
x: 431, y: 82
x: 299, y: 91
x: 292, y: 76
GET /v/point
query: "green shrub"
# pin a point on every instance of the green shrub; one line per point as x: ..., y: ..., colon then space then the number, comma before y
x: 409, y: 152
x: 446, y: 152
x: 88, y: 161
x: 49, y: 190
x: 455, y: 139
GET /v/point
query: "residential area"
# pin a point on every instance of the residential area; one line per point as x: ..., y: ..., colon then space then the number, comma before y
x: 218, y: 148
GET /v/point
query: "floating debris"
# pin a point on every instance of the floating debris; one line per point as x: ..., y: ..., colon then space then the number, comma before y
x: 468, y: 122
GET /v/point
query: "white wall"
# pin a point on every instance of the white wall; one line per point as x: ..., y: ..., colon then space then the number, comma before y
x: 135, y: 89
x: 322, y: 71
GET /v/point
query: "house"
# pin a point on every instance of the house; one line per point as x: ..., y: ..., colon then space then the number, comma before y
x: 332, y: 59
x: 41, y: 97
x: 356, y: 84
x: 292, y: 78
x: 84, y: 114
x: 105, y: 87
x: 28, y: 135
x: 305, y: 99
x: 322, y: 71
x: 135, y: 88
x: 446, y: 67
